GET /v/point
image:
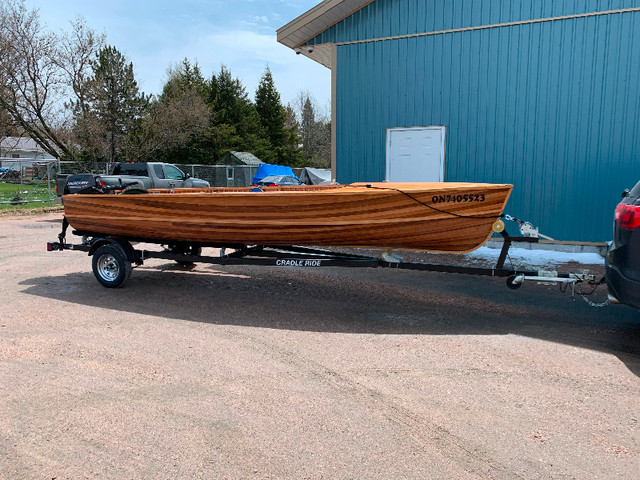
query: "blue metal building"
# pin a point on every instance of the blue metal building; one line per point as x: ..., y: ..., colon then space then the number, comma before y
x: 543, y: 94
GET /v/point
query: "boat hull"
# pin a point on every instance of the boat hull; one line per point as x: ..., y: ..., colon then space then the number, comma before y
x: 437, y: 217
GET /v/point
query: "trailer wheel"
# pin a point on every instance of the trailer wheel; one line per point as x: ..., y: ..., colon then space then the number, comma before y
x: 111, y: 267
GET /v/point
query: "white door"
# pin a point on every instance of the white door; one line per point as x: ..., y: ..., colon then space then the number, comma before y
x: 415, y: 154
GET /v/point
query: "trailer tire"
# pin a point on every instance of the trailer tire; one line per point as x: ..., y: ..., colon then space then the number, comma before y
x: 111, y: 267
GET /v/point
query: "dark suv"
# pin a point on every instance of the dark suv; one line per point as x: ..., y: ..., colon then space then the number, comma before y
x: 622, y: 265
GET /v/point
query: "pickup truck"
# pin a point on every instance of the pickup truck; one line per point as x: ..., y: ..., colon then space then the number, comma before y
x: 144, y: 175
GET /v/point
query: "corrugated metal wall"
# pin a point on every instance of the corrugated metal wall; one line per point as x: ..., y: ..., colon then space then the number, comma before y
x: 387, y: 18
x: 553, y: 108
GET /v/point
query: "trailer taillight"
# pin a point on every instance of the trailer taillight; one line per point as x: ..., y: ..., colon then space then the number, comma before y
x: 628, y: 216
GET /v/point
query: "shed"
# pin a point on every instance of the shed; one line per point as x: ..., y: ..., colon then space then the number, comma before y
x: 538, y: 93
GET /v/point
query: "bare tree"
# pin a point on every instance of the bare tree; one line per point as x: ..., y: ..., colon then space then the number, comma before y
x: 314, y: 129
x: 170, y: 124
x: 77, y: 51
x: 39, y: 71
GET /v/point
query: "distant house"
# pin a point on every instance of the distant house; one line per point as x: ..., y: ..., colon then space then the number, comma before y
x: 239, y: 158
x: 22, y: 147
x: 24, y: 155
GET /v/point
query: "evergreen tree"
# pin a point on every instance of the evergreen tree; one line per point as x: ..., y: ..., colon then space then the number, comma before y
x: 235, y: 122
x: 182, y: 79
x: 307, y: 124
x: 273, y: 118
x: 175, y: 127
x: 115, y: 105
x: 271, y: 111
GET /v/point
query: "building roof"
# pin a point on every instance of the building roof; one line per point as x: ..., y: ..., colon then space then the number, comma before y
x: 21, y: 144
x: 315, y: 21
x: 246, y: 158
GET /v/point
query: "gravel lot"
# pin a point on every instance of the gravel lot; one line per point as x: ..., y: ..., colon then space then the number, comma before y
x: 279, y: 373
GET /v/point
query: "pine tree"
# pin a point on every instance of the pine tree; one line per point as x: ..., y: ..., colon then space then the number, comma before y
x: 271, y: 111
x: 273, y: 117
x: 184, y: 78
x: 307, y: 124
x: 235, y: 122
x: 115, y: 104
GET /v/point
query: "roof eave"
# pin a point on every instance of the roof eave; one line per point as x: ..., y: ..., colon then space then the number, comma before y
x: 315, y: 21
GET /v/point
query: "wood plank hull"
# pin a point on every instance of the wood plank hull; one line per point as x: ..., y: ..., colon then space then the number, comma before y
x: 436, y: 217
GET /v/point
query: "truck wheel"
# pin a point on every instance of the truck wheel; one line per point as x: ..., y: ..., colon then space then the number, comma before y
x: 134, y: 189
x: 111, y: 267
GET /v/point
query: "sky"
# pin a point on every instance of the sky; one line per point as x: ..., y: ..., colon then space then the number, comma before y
x: 241, y: 34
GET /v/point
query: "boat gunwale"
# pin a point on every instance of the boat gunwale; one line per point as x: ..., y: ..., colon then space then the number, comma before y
x: 360, y: 187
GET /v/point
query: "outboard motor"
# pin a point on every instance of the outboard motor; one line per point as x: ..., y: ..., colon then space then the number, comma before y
x: 83, y: 183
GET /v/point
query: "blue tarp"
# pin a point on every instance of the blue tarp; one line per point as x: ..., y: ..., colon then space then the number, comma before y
x: 265, y: 169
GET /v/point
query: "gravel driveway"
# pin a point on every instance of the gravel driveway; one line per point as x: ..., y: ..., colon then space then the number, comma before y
x: 279, y: 373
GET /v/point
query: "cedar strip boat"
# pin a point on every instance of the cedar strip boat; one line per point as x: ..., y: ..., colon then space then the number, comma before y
x: 437, y: 217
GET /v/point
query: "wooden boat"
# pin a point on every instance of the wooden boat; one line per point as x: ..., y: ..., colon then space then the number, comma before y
x: 436, y: 217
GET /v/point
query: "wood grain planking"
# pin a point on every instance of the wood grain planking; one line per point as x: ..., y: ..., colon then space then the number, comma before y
x: 330, y: 216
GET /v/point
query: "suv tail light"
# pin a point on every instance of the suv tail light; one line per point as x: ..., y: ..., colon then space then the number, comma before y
x: 628, y: 216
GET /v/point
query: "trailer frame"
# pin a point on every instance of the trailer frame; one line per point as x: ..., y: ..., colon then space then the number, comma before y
x: 113, y: 257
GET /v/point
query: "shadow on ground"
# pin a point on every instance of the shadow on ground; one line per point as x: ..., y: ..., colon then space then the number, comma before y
x: 374, y: 301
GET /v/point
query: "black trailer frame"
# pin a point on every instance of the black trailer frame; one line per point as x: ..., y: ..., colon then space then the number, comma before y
x: 113, y: 257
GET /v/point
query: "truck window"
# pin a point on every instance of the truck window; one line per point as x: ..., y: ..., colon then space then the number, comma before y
x: 173, y: 173
x: 157, y: 169
x: 137, y: 169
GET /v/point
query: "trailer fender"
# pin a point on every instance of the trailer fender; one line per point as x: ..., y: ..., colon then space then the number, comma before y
x: 123, y: 245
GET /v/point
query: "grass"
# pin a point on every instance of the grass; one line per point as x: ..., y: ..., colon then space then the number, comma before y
x: 37, y: 195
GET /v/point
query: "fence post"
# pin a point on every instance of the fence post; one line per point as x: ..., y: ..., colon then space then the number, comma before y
x: 49, y: 182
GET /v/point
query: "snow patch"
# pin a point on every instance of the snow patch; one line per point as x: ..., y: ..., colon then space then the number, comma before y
x: 523, y: 257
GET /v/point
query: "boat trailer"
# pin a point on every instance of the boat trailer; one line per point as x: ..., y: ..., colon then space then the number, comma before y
x: 115, y: 256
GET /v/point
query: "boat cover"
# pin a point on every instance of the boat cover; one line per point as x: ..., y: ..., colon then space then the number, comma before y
x: 315, y: 176
x: 266, y: 169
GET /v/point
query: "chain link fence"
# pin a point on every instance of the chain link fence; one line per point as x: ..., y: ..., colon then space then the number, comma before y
x: 34, y: 179
x: 216, y: 175
x: 27, y: 182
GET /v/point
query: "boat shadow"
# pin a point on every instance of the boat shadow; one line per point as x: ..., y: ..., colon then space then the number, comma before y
x: 355, y: 301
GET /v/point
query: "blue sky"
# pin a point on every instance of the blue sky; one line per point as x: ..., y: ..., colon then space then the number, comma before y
x: 240, y: 34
